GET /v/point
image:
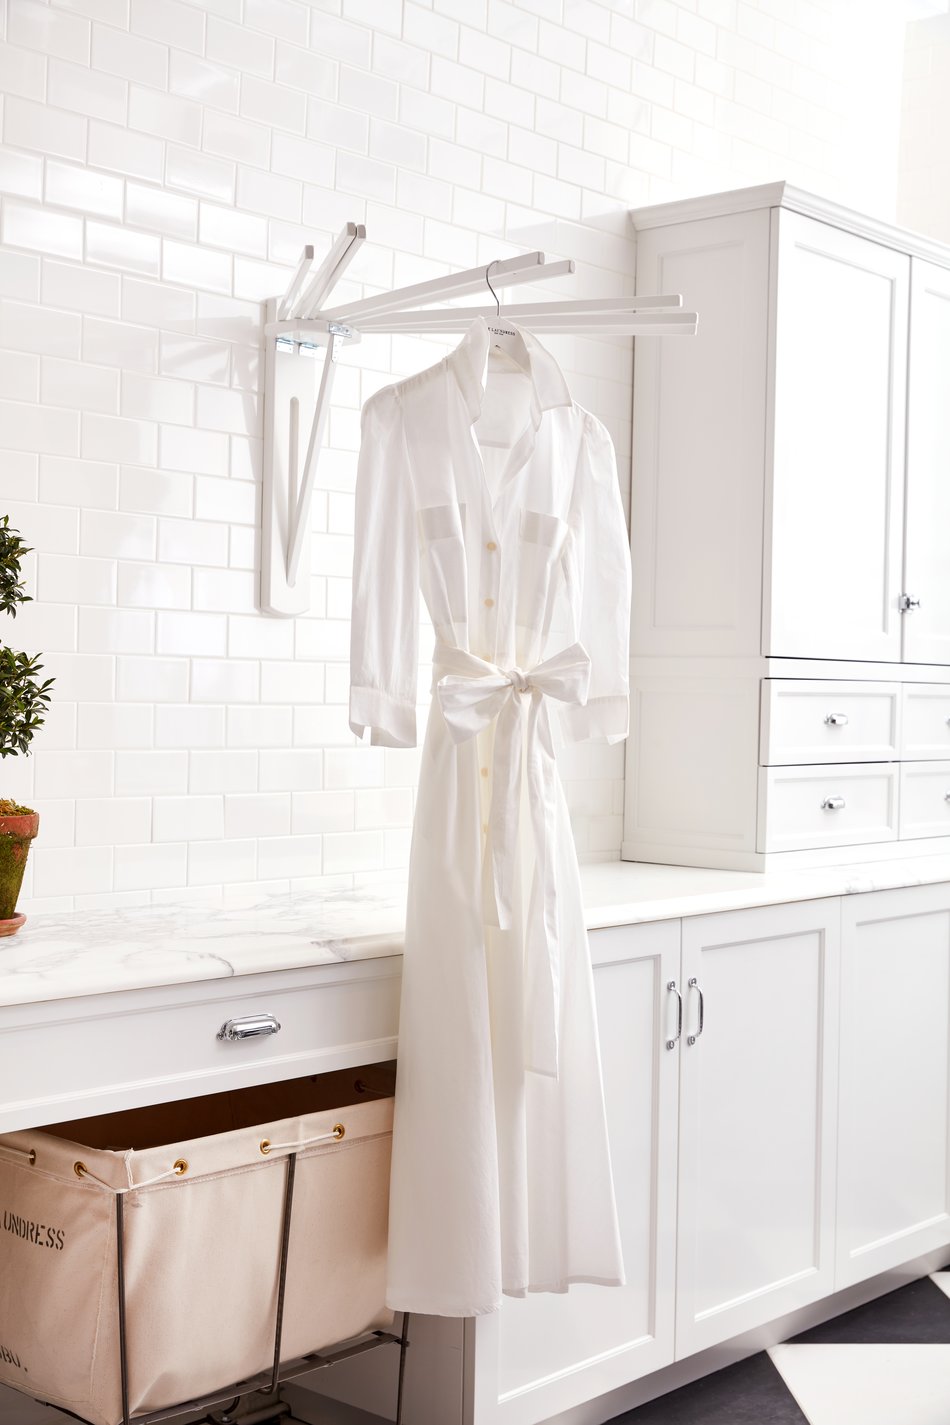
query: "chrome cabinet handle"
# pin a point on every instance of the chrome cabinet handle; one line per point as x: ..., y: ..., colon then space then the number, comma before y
x: 837, y: 720
x: 694, y: 985
x: 832, y: 804
x: 671, y: 986
x: 254, y: 1026
x: 908, y: 602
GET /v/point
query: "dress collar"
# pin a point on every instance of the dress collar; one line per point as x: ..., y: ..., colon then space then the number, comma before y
x: 469, y: 362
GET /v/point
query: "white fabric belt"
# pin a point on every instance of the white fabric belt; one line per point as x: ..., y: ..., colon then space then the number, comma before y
x: 472, y: 693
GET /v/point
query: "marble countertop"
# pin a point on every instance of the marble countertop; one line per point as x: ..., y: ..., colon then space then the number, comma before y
x: 94, y: 952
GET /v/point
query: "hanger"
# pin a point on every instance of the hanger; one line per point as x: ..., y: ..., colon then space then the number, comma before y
x: 506, y: 342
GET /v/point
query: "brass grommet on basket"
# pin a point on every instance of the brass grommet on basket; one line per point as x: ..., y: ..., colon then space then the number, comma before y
x: 180, y: 1166
x: 338, y: 1130
x: 80, y: 1170
x: 265, y: 1145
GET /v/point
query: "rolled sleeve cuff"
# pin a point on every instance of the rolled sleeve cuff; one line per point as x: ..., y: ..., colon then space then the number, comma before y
x: 603, y: 719
x: 391, y: 723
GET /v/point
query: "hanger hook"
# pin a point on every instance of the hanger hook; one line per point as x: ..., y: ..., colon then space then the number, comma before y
x: 491, y: 288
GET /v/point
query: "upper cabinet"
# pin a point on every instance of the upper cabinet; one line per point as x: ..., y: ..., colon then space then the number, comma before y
x: 790, y: 513
x: 774, y: 511
x: 834, y: 536
x: 926, y: 553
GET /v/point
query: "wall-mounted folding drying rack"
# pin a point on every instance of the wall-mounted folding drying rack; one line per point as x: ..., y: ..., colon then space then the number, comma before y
x: 297, y: 401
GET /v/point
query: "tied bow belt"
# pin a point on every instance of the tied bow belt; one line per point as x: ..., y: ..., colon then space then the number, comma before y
x: 472, y: 693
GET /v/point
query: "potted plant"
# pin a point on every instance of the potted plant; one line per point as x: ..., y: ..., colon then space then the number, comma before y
x: 23, y: 703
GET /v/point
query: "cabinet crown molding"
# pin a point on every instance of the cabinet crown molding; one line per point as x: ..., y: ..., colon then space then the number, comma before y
x: 796, y: 200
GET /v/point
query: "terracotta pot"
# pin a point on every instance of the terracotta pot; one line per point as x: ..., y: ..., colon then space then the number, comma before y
x: 16, y: 833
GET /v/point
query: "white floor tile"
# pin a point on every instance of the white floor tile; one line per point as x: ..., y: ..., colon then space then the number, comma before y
x: 941, y: 1279
x: 868, y: 1384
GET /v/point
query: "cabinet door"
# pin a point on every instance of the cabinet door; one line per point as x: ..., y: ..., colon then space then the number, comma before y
x: 927, y: 628
x: 548, y: 1353
x: 837, y: 489
x: 893, y: 1173
x: 757, y: 1119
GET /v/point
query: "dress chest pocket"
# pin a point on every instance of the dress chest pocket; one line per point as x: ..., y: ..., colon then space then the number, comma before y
x: 540, y: 546
x: 445, y: 579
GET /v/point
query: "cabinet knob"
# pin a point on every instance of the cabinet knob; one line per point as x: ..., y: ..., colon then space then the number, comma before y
x: 837, y: 719
x: 252, y: 1027
x: 908, y: 602
x: 832, y: 804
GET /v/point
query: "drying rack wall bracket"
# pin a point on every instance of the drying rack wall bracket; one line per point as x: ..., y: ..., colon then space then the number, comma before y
x: 302, y: 339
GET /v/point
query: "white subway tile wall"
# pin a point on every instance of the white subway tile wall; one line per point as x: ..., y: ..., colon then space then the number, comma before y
x: 163, y: 162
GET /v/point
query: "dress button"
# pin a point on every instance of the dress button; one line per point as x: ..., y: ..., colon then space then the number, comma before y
x: 484, y: 828
x: 491, y: 546
x: 489, y: 603
x: 484, y: 771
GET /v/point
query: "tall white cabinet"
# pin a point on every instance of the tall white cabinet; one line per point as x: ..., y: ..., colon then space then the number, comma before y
x: 790, y: 518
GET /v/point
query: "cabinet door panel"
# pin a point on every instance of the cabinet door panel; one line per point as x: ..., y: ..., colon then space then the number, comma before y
x: 893, y: 1176
x: 547, y: 1353
x: 757, y: 1119
x: 837, y: 487
x: 699, y: 431
x: 927, y: 628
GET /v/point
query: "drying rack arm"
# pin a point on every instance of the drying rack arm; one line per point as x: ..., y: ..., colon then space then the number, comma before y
x: 296, y: 324
x: 300, y: 520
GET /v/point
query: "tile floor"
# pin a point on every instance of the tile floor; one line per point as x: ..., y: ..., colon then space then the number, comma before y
x: 885, y: 1363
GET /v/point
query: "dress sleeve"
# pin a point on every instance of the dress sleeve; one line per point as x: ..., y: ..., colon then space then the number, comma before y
x: 602, y: 584
x: 384, y: 631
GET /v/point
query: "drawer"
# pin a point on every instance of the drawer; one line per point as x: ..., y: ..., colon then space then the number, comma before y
x: 845, y: 805
x: 925, y: 720
x: 808, y: 722
x: 925, y: 799
x: 74, y: 1058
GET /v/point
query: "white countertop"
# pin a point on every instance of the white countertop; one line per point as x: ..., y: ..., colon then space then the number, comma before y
x: 94, y: 952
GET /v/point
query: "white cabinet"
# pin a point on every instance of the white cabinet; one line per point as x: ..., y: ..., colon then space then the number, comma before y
x: 925, y: 799
x: 927, y: 556
x: 779, y: 533
x: 926, y: 721
x: 722, y: 1133
x: 817, y: 721
x: 757, y: 1119
x: 894, y: 1153
x: 547, y: 1353
x: 833, y: 578
x: 851, y: 804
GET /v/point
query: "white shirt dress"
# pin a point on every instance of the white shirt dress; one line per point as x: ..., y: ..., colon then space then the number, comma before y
x: 488, y: 487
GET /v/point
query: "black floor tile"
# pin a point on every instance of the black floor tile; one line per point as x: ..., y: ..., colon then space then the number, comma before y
x: 916, y: 1314
x: 749, y: 1393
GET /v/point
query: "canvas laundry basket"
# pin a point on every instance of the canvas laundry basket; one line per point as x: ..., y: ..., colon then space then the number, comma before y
x: 203, y: 1186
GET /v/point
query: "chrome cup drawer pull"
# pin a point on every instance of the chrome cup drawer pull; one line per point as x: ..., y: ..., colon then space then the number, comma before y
x: 837, y: 720
x: 254, y: 1026
x: 832, y: 804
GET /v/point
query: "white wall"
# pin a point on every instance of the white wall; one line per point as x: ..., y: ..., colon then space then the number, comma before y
x: 163, y: 163
x: 924, y: 187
